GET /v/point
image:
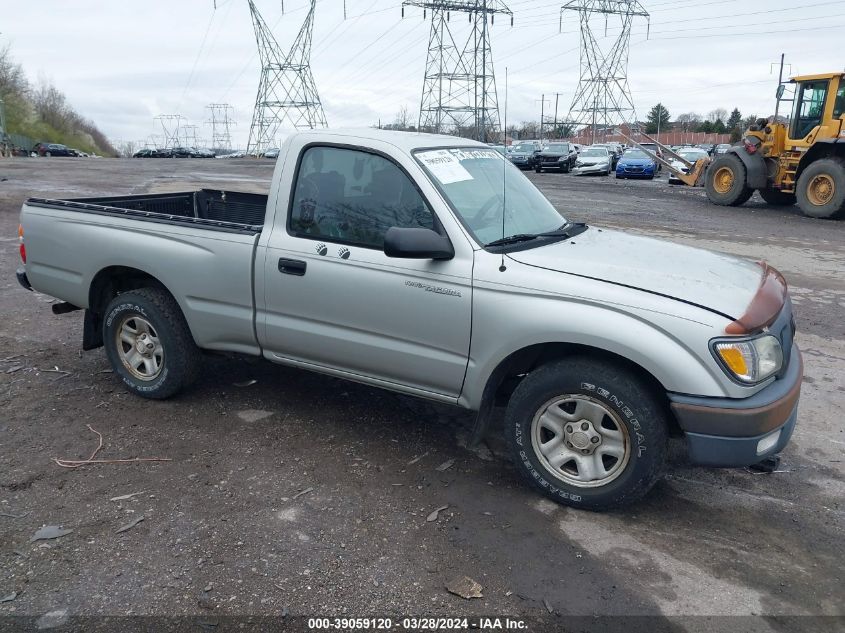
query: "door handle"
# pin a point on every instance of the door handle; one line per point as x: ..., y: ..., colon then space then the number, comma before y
x: 292, y: 266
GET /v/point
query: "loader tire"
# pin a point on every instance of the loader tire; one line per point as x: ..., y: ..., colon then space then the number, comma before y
x: 726, y: 181
x: 821, y: 189
x: 777, y: 198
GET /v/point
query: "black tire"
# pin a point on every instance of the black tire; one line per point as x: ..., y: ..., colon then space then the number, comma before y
x: 538, y: 170
x: 180, y: 357
x: 731, y: 194
x: 630, y: 404
x: 651, y: 177
x: 833, y: 171
x: 620, y: 177
x: 777, y: 198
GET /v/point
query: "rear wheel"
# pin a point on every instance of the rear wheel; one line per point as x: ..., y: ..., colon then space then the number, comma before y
x: 48, y: 154
x: 587, y: 433
x: 538, y: 170
x: 726, y: 182
x: 821, y: 189
x: 149, y: 344
x: 777, y: 198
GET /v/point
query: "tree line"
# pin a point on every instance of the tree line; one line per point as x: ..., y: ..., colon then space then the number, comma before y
x: 716, y: 121
x: 42, y: 112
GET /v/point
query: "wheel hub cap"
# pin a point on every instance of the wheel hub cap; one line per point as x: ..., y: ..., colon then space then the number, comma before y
x: 580, y: 440
x: 139, y: 348
x: 821, y: 189
x: 723, y: 180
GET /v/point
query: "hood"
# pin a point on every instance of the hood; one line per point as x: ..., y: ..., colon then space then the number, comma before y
x: 636, y: 162
x: 593, y: 160
x: 552, y: 154
x: 720, y: 283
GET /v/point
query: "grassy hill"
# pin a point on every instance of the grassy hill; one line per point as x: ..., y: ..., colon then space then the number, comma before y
x: 43, y: 113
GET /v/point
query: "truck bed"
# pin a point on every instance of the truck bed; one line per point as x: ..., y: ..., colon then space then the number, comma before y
x: 232, y: 211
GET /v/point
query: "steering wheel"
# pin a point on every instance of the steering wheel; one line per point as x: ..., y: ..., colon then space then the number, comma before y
x: 484, y: 211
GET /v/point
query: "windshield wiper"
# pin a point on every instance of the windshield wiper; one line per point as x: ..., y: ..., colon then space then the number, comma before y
x: 513, y: 239
x: 570, y: 229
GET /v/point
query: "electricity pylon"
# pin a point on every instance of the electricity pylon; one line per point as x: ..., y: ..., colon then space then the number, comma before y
x: 602, y: 100
x: 286, y: 89
x: 170, y: 124
x: 220, y: 122
x: 459, y: 87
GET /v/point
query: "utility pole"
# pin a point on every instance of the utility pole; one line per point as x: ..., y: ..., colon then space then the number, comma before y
x: 286, y: 89
x: 459, y: 85
x: 557, y: 98
x: 603, y: 76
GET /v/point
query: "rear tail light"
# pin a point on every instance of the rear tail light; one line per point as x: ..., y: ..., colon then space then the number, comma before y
x: 22, y: 247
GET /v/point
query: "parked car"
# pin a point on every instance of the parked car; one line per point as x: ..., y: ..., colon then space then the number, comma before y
x: 710, y: 148
x: 51, y: 149
x: 556, y: 155
x: 147, y: 152
x: 238, y: 154
x: 635, y: 163
x: 691, y: 154
x: 593, y: 160
x: 722, y: 148
x: 388, y: 258
x: 271, y: 153
x: 184, y: 152
x: 203, y: 152
x: 524, y: 154
x: 614, y: 150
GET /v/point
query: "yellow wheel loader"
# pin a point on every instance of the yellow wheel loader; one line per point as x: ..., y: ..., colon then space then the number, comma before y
x: 802, y: 161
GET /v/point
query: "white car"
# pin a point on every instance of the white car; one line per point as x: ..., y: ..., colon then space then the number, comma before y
x: 691, y: 154
x: 593, y: 160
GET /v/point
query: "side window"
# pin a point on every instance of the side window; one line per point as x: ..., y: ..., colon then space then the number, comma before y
x: 350, y: 196
x: 839, y: 104
x: 809, y: 108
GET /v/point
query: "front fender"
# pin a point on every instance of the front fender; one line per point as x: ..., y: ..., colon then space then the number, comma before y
x: 755, y: 167
x: 674, y: 350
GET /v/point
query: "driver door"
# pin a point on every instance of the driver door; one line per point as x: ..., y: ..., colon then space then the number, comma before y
x: 334, y: 301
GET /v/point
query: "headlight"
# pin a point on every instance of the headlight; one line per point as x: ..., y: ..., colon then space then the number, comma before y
x: 751, y: 360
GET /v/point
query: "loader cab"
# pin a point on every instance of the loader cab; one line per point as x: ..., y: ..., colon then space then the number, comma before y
x: 818, y: 106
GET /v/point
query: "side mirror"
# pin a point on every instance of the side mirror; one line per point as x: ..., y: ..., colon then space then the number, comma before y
x: 417, y: 244
x: 779, y: 91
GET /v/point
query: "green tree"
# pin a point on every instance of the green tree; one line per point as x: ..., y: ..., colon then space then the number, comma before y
x: 734, y: 120
x: 657, y: 119
x: 719, y: 127
x: 706, y: 127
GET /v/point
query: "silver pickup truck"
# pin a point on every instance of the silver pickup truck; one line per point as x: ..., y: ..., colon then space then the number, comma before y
x: 431, y: 266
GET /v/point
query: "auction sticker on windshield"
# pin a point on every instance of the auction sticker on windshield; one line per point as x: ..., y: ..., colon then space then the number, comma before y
x: 445, y: 166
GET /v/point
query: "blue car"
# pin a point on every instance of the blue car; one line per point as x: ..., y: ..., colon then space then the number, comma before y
x: 635, y: 163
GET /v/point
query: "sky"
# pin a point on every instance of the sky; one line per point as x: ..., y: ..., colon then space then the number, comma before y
x: 122, y: 63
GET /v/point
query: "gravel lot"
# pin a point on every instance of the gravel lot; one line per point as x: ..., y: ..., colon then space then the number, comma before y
x: 303, y: 494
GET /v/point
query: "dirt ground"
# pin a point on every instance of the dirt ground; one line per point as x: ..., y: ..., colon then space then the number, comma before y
x: 302, y: 494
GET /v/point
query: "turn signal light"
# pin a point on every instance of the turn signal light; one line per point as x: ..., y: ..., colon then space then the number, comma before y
x: 22, y: 247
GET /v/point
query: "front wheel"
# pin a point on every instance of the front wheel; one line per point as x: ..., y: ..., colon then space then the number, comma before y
x: 821, y: 189
x: 149, y: 344
x: 587, y: 433
x: 48, y: 154
x: 725, y: 181
x: 538, y: 170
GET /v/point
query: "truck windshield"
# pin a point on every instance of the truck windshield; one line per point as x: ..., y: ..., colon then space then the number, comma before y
x: 481, y: 186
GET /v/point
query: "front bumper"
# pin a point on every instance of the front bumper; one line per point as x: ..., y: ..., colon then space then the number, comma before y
x: 590, y: 169
x: 20, y: 273
x: 732, y: 433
